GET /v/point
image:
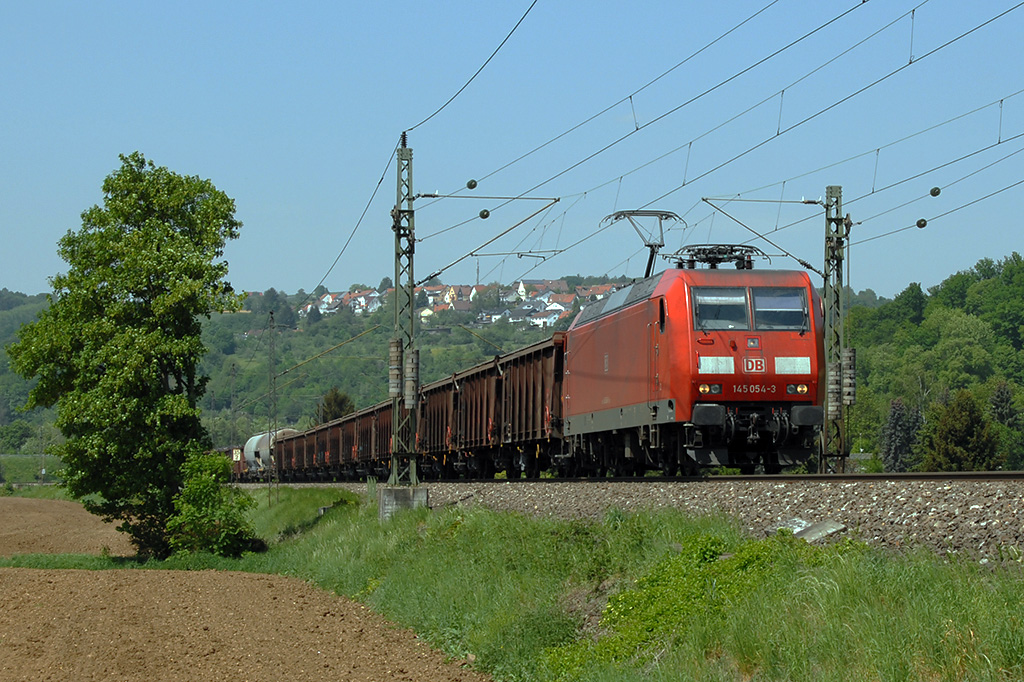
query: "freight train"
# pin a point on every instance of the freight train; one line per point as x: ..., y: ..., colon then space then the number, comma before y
x: 690, y: 368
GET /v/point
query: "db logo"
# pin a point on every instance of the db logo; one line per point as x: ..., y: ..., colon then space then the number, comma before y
x: 753, y: 366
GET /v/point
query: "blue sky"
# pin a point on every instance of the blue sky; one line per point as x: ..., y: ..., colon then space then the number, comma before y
x: 294, y: 110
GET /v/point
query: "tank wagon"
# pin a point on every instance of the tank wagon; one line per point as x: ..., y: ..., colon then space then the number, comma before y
x: 255, y: 461
x: 686, y: 369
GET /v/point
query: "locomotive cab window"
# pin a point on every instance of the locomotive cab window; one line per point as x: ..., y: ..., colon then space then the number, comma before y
x: 780, y: 308
x: 720, y: 308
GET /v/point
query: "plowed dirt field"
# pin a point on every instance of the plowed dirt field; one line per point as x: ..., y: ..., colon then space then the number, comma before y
x: 164, y: 626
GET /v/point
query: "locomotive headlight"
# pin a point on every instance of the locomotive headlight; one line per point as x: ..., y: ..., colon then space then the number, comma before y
x: 704, y: 389
x: 714, y: 389
x: 797, y: 389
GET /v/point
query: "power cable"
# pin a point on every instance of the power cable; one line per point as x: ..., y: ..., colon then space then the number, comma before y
x: 395, y: 150
x: 942, y: 215
x: 332, y: 348
x: 874, y: 191
x: 259, y: 340
x: 945, y: 185
x: 915, y: 177
x: 689, y: 145
x: 675, y: 109
x: 876, y: 150
x: 802, y: 78
x: 458, y: 260
x: 354, y: 229
x: 629, y: 97
x: 836, y: 103
x: 459, y: 92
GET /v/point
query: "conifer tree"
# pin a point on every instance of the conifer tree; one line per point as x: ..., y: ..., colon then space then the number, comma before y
x: 899, y: 435
x: 960, y: 438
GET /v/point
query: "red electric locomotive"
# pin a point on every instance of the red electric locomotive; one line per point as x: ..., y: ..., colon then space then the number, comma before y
x: 697, y: 367
x: 689, y: 368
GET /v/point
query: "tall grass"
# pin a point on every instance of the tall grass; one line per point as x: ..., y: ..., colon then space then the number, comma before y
x: 642, y: 596
x: 50, y: 491
x: 21, y: 469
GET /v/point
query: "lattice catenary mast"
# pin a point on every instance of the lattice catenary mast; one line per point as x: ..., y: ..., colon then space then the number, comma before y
x: 839, y: 360
x: 403, y: 372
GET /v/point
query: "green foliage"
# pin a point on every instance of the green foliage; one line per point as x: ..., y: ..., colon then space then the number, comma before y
x: 965, y: 336
x: 695, y: 588
x: 899, y: 436
x: 501, y: 586
x: 1003, y: 410
x: 335, y: 405
x: 357, y: 369
x: 41, y: 492
x: 522, y: 594
x: 118, y: 347
x: 959, y: 437
x: 209, y: 515
x: 14, y: 388
x: 273, y: 301
x: 14, y: 435
x: 282, y: 513
x: 873, y: 465
x: 9, y: 300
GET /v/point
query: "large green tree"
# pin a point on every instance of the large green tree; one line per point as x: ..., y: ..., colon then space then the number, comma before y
x: 118, y: 347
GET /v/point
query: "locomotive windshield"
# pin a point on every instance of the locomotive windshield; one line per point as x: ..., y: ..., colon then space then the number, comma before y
x: 720, y: 308
x: 775, y: 308
x: 779, y: 308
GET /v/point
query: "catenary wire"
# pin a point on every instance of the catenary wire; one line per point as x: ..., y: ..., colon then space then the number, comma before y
x: 778, y: 93
x: 914, y: 177
x: 836, y: 103
x: 355, y: 228
x: 876, y: 150
x: 488, y: 61
x: 942, y: 215
x: 671, y: 111
x: 630, y: 96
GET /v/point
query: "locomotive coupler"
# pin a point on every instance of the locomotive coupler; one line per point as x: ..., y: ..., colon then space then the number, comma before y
x: 753, y: 434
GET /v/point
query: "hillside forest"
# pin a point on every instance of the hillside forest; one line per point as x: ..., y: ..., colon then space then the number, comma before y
x: 939, y: 372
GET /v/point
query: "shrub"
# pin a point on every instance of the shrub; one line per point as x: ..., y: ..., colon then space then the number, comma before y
x: 210, y: 516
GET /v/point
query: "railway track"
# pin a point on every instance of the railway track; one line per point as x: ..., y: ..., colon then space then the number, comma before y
x: 808, y: 478
x: 974, y: 514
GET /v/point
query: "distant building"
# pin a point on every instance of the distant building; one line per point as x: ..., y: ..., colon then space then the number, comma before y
x: 546, y: 318
x: 596, y: 292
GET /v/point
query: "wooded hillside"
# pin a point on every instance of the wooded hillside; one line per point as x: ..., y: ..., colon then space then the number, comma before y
x: 943, y: 361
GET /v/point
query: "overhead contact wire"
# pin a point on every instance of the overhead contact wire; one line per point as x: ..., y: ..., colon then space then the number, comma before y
x: 688, y: 146
x: 473, y: 77
x: 630, y: 96
x: 838, y: 102
x: 665, y: 114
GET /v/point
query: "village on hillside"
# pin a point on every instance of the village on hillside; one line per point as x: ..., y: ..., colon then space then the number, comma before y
x: 534, y: 302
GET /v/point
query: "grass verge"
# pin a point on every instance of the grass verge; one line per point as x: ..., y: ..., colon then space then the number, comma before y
x: 23, y: 469
x: 639, y: 596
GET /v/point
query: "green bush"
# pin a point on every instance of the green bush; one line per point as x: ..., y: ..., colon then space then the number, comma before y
x: 210, y: 516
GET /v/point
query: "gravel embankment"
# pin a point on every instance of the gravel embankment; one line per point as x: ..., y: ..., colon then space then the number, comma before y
x: 978, y: 518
